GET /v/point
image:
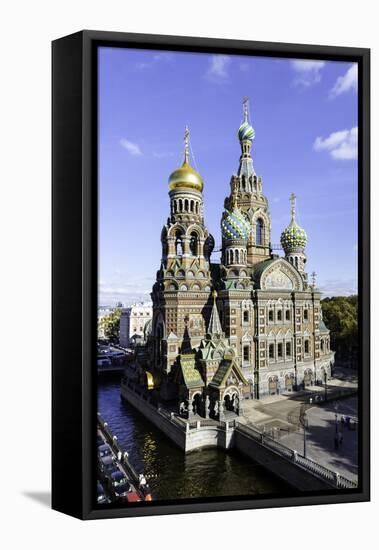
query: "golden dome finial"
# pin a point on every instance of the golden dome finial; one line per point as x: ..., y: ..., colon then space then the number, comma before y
x: 185, y: 176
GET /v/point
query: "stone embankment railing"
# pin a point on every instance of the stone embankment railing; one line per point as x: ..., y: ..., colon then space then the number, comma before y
x: 335, y: 479
x: 192, y: 426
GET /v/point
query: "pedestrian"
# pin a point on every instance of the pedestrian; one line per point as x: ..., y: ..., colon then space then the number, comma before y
x: 336, y: 442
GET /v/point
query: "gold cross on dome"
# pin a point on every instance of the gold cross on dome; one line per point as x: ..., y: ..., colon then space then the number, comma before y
x: 293, y: 205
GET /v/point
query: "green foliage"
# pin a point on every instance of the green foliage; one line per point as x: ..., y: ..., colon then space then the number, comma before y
x: 340, y: 315
x: 109, y: 325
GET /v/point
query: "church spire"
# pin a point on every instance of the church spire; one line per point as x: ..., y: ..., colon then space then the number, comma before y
x: 246, y: 135
x: 214, y: 327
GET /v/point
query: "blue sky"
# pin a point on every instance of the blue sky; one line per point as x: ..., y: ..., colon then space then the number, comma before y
x: 305, y: 119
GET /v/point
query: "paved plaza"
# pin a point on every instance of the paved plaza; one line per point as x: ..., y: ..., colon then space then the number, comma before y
x: 279, y: 416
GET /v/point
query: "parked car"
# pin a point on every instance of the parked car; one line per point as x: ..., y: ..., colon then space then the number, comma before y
x: 104, y: 450
x: 118, y: 478
x: 122, y: 491
x: 132, y: 496
x: 101, y: 497
x: 107, y: 465
x: 103, y: 362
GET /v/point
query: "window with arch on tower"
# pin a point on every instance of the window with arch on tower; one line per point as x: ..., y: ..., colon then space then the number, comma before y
x: 179, y: 245
x: 194, y: 244
x: 259, y: 232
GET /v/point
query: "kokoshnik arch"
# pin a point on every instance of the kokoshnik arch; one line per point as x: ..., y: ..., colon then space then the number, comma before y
x: 248, y: 326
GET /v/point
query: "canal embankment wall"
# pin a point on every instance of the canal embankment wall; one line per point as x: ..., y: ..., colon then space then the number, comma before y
x: 298, y: 471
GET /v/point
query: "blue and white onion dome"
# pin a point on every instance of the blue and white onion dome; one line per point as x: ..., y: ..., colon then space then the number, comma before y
x: 235, y: 226
x: 293, y: 237
x: 246, y: 132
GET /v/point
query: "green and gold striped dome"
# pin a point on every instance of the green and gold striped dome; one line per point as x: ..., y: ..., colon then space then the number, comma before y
x: 293, y: 237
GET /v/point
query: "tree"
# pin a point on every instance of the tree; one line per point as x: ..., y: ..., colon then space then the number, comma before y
x: 109, y: 325
x: 340, y: 314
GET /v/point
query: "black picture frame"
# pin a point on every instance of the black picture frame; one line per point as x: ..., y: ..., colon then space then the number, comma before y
x: 74, y: 268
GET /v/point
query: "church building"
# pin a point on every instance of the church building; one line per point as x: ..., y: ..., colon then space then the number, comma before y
x: 246, y: 326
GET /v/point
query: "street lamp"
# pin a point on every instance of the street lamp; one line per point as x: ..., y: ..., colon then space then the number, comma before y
x: 336, y: 425
x: 304, y: 423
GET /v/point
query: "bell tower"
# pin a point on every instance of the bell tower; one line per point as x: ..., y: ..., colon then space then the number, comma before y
x: 181, y: 294
x: 247, y: 194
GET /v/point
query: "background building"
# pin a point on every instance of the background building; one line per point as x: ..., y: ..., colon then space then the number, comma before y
x: 134, y: 322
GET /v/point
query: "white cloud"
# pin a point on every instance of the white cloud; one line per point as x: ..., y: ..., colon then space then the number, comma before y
x: 342, y: 145
x: 126, y: 293
x: 335, y: 287
x: 218, y: 69
x: 308, y: 72
x: 349, y: 81
x: 131, y: 147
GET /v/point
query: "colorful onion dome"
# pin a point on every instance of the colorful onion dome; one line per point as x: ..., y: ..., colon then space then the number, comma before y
x: 235, y: 226
x: 185, y: 176
x: 294, y: 236
x: 246, y: 132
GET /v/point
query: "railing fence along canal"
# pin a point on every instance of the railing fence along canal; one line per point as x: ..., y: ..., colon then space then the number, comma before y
x: 308, y: 464
x: 263, y: 438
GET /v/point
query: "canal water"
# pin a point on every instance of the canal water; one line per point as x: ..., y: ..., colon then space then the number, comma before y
x: 172, y: 474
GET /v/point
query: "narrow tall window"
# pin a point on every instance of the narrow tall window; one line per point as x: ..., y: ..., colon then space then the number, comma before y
x: 193, y: 244
x: 271, y: 351
x: 279, y: 315
x: 246, y: 353
x: 287, y: 314
x: 306, y: 346
x: 179, y: 246
x: 259, y: 232
x: 280, y: 350
x: 270, y: 315
x: 288, y: 349
x: 305, y: 315
x: 246, y: 316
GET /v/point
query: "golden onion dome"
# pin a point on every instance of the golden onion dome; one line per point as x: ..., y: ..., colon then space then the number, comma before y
x: 185, y: 176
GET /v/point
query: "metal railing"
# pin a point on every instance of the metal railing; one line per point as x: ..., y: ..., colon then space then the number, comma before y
x: 322, y: 472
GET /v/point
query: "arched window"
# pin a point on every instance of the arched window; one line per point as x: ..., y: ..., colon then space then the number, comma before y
x: 179, y: 245
x: 306, y: 346
x: 259, y: 232
x: 193, y: 244
x: 279, y: 314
